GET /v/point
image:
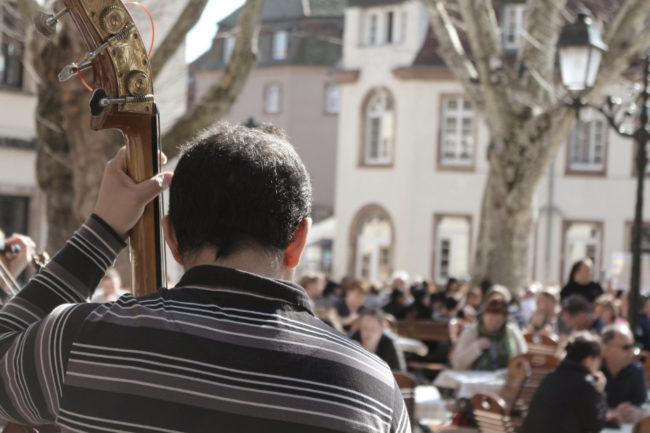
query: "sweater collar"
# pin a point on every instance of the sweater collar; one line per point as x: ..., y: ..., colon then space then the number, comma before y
x: 217, y: 278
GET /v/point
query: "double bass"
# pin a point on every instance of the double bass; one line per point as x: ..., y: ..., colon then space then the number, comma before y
x: 122, y: 99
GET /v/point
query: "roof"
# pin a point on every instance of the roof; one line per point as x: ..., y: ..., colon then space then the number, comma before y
x: 291, y: 9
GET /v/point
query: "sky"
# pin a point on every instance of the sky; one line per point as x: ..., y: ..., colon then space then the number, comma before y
x: 199, y: 39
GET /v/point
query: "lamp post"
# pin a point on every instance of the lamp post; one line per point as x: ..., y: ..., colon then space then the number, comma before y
x: 580, y: 49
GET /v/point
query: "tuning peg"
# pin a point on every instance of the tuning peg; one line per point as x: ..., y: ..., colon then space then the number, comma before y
x: 46, y: 23
x: 73, y: 69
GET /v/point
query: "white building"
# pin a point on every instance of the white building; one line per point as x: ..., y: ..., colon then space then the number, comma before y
x: 21, y: 202
x: 411, y: 164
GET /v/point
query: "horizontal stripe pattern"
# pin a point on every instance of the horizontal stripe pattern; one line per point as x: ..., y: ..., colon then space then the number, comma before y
x: 225, y: 350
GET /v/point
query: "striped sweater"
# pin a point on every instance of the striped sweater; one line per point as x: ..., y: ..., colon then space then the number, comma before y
x: 224, y: 351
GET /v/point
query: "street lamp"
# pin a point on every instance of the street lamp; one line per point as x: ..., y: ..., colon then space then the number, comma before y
x: 580, y: 49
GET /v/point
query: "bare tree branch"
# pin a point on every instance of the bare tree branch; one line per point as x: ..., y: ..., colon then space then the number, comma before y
x: 27, y: 9
x: 483, y: 31
x: 452, y: 51
x: 536, y: 54
x: 177, y: 34
x: 626, y: 37
x: 222, y: 95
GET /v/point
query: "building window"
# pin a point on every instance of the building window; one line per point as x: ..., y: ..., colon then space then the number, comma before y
x: 513, y: 23
x: 228, y: 45
x: 452, y: 236
x: 14, y: 214
x: 385, y: 27
x: 272, y: 99
x: 11, y: 46
x: 581, y: 239
x: 280, y: 44
x: 373, y: 239
x: 587, y: 144
x: 332, y: 99
x: 378, y: 129
x: 457, y: 132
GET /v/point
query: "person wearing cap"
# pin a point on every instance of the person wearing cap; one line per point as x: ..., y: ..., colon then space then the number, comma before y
x: 491, y: 342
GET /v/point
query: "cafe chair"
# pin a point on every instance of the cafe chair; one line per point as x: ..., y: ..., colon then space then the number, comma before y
x: 491, y: 414
x: 407, y: 384
x: 642, y: 426
x: 541, y: 344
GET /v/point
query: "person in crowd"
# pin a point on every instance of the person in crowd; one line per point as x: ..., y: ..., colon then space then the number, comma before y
x: 626, y: 382
x: 373, y: 337
x: 16, y: 262
x: 544, y: 319
x: 578, y: 315
x: 497, y: 292
x: 473, y: 298
x: 490, y: 343
x: 374, y: 299
x: 421, y: 305
x: 570, y: 399
x: 528, y: 300
x: 580, y: 281
x: 450, y: 309
x: 397, y: 305
x: 452, y: 286
x: 234, y: 346
x: 314, y: 284
x: 607, y: 308
x: 400, y: 280
x: 110, y: 287
x: 351, y: 305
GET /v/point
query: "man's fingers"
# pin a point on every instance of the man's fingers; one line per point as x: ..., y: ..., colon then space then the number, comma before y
x: 149, y: 189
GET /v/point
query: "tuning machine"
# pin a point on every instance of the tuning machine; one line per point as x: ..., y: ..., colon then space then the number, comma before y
x: 46, y: 23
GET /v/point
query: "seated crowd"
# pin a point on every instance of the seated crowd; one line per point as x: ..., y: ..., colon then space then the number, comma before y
x: 598, y: 379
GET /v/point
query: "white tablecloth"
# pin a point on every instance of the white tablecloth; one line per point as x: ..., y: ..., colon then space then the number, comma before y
x: 625, y: 428
x: 468, y: 383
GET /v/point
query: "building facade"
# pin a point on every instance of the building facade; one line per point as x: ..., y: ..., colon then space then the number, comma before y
x: 291, y: 85
x: 21, y: 202
x: 412, y: 166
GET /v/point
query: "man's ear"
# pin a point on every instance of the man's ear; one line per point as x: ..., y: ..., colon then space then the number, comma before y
x: 170, y: 239
x: 294, y: 250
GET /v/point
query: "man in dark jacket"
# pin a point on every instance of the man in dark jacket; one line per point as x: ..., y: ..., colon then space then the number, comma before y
x: 571, y: 399
x: 626, y: 384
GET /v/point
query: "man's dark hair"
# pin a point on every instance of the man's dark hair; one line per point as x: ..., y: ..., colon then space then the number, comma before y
x: 576, y: 304
x: 236, y: 186
x: 581, y: 345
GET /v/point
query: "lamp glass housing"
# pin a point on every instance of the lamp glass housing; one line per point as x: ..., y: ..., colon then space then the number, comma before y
x: 579, y: 66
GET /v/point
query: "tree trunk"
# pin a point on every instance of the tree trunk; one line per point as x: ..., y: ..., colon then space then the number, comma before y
x: 71, y: 156
x: 503, y: 247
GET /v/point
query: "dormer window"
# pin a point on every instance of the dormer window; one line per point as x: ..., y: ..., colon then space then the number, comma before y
x: 280, y: 44
x: 513, y: 23
x: 384, y: 27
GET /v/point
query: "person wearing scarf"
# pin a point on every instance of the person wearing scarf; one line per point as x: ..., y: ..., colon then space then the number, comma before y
x: 490, y: 343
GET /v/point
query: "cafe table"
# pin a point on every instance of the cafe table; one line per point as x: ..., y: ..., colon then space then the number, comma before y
x: 467, y: 383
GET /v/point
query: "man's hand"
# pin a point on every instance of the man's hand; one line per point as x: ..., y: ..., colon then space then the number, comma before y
x: 18, y: 261
x: 121, y: 201
x: 628, y: 413
x: 601, y: 380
